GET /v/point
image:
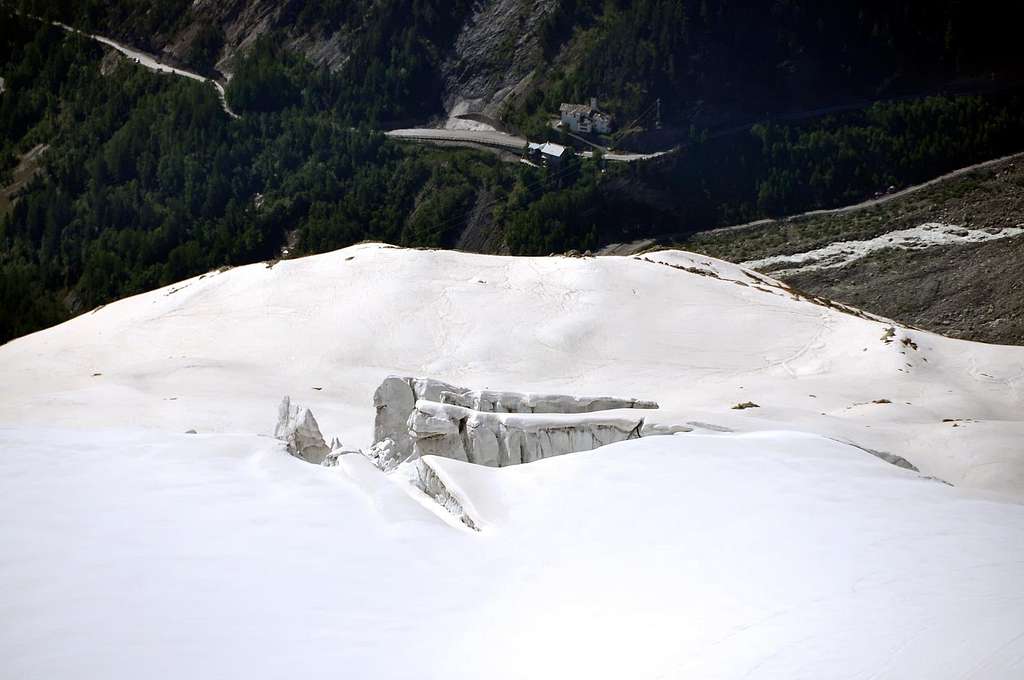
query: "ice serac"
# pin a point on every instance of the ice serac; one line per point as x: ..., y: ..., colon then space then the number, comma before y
x: 394, y: 402
x: 299, y: 430
x: 336, y: 452
x: 421, y: 416
x: 432, y: 484
x: 502, y: 439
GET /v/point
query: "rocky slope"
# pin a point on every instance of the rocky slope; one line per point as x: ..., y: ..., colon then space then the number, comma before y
x: 241, y: 22
x: 969, y: 290
x: 494, y: 56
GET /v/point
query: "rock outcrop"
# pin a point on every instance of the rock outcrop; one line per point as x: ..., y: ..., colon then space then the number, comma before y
x: 494, y: 56
x: 299, y: 430
x: 420, y: 416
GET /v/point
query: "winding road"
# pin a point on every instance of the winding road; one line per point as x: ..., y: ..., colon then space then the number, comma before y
x: 149, y: 61
x: 485, y: 137
x: 502, y: 141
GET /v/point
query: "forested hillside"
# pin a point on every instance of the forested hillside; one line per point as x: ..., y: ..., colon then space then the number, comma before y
x: 713, y: 60
x: 140, y: 179
x: 387, y: 53
x: 147, y: 181
x: 708, y: 60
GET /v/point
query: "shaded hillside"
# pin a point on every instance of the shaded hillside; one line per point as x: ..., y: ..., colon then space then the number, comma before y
x: 716, y: 61
x: 387, y: 53
x: 710, y: 62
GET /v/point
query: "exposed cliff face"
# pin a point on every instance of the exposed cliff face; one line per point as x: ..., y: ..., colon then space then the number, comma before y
x: 494, y: 55
x: 241, y: 22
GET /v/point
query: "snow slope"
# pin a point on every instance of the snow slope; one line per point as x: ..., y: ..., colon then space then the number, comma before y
x: 774, y: 555
x: 132, y: 549
x: 216, y: 353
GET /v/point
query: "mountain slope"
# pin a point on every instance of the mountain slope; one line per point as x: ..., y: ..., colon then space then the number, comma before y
x: 708, y: 61
x: 945, y: 256
x: 146, y: 181
x: 217, y: 352
x: 773, y: 550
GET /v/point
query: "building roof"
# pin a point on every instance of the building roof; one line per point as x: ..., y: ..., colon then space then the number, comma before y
x: 575, y: 108
x: 552, y: 149
x: 548, y: 148
x: 585, y: 111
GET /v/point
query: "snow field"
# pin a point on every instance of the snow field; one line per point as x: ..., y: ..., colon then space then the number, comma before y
x: 767, y: 542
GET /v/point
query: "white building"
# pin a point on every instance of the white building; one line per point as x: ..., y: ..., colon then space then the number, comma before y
x: 548, y: 153
x: 584, y: 118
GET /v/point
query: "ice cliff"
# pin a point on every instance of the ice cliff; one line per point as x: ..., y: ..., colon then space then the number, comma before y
x: 419, y: 416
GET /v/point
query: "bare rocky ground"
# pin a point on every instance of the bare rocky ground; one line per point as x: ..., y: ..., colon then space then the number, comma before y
x: 494, y: 56
x: 972, y: 291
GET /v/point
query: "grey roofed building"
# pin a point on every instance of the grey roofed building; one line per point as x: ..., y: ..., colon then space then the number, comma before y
x: 585, y: 118
x: 548, y: 152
